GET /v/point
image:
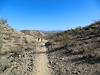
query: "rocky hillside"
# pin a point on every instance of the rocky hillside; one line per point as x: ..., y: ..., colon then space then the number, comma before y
x: 76, y: 51
x: 72, y: 52
x: 17, y: 51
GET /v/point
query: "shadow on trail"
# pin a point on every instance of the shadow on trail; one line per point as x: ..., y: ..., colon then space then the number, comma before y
x: 40, y: 52
x: 51, y: 49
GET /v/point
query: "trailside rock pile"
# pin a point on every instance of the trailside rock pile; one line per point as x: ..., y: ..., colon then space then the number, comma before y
x: 17, y: 63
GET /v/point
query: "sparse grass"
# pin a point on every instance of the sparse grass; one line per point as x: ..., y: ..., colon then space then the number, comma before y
x: 2, y: 23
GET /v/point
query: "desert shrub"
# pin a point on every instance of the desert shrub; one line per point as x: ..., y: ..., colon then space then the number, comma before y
x: 3, y: 24
x: 1, y: 34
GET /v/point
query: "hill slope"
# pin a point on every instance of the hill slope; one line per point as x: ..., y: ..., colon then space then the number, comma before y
x: 17, y: 51
x: 76, y: 51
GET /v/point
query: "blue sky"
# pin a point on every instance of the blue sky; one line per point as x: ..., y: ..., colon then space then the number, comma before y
x: 49, y: 14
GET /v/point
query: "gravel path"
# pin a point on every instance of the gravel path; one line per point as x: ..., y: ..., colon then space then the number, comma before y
x: 41, y: 61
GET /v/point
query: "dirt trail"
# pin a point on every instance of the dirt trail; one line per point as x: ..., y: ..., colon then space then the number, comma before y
x: 41, y: 61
